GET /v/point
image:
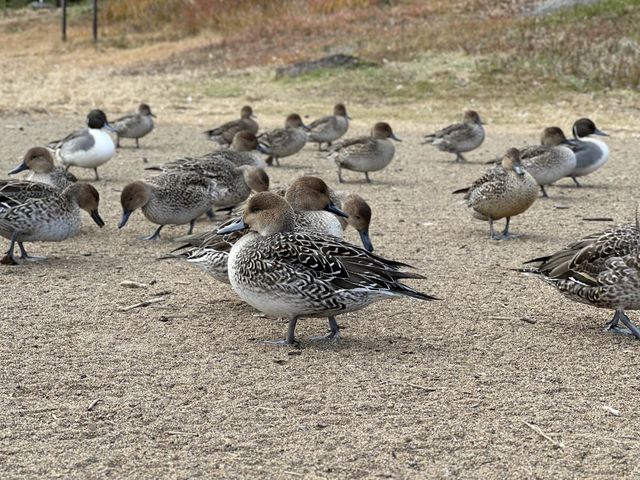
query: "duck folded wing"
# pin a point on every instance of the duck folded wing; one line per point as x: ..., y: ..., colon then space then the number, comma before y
x: 323, y: 124
x: 126, y: 122
x: 80, y: 140
x: 16, y: 192
x: 355, y: 146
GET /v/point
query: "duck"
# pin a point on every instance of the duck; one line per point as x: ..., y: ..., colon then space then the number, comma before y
x: 284, y: 142
x: 550, y: 161
x: 173, y: 198
x: 591, y: 153
x: 284, y: 273
x: 330, y: 128
x: 459, y: 138
x: 223, y: 135
x: 506, y: 190
x: 236, y: 182
x: 47, y: 216
x: 365, y: 154
x: 88, y: 147
x: 358, y: 217
x: 243, y: 151
x: 40, y: 163
x: 601, y: 270
x: 134, y: 125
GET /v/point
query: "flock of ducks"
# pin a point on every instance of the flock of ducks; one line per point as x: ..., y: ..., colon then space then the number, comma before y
x: 284, y: 255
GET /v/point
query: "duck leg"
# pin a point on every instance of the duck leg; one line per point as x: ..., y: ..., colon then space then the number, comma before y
x: 339, y: 174
x: 8, y: 258
x: 117, y: 141
x: 155, y: 235
x: 97, y: 176
x: 211, y: 215
x: 366, y: 175
x: 291, y: 335
x: 460, y: 158
x: 575, y: 180
x: 137, y: 143
x: 334, y: 331
x: 25, y: 256
x: 615, y: 328
x: 492, y: 233
x: 191, y: 225
x: 505, y: 232
x: 544, y: 192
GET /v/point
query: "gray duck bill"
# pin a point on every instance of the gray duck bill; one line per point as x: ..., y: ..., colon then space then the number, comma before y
x: 19, y: 168
x: 125, y: 217
x: 330, y: 207
x: 236, y: 226
x: 96, y: 218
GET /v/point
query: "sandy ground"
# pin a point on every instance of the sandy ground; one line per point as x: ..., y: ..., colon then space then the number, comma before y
x: 412, y: 390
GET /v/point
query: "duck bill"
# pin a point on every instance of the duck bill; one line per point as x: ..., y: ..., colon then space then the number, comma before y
x: 125, y: 218
x: 518, y: 169
x: 109, y: 127
x: 305, y: 128
x: 153, y: 115
x: 18, y: 169
x: 330, y: 207
x: 237, y: 225
x: 96, y: 218
x: 262, y: 149
x: 393, y: 136
x: 366, y: 241
x: 349, y: 117
x: 253, y: 115
x: 600, y: 132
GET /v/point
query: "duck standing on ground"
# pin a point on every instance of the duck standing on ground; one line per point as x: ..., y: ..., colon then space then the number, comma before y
x: 504, y: 191
x: 591, y: 153
x: 88, y: 147
x: 365, y: 154
x: 284, y: 142
x: 330, y: 128
x: 174, y: 198
x: 223, y: 135
x: 601, y: 270
x: 291, y: 274
x: 243, y: 151
x: 550, y: 161
x: 39, y: 162
x: 46, y: 217
x: 134, y: 125
x: 459, y: 137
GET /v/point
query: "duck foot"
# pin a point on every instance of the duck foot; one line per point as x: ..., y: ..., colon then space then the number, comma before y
x: 544, y: 192
x: 615, y: 328
x: 155, y: 236
x: 334, y: 332
x: 575, y: 180
x: 26, y: 257
x: 460, y: 158
x: 8, y: 259
x: 291, y: 336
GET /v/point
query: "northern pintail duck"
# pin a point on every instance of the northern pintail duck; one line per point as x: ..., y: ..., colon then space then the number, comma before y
x: 459, y: 137
x: 358, y: 216
x: 45, y: 217
x: 550, y: 161
x: 284, y: 142
x: 602, y: 270
x: 591, y: 153
x: 235, y: 183
x: 88, y: 147
x: 134, y: 125
x: 223, y: 135
x: 174, y: 198
x: 39, y: 162
x: 330, y: 128
x: 244, y: 151
x: 506, y: 190
x: 365, y: 154
x: 290, y: 274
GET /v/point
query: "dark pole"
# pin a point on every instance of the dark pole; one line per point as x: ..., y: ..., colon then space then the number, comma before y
x: 95, y: 20
x: 64, y: 20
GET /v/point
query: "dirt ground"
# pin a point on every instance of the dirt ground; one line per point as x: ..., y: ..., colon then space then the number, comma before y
x: 456, y: 388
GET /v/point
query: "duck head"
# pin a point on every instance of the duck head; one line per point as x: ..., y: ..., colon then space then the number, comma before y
x: 339, y: 110
x: 359, y: 218
x: 255, y: 178
x: 244, y: 141
x: 133, y: 196
x: 553, y: 136
x: 37, y: 159
x: 247, y: 112
x: 97, y: 119
x: 87, y: 198
x: 585, y: 127
x: 382, y: 130
x: 311, y: 193
x: 265, y: 213
x: 511, y: 161
x: 471, y: 116
x: 295, y: 121
x: 145, y: 110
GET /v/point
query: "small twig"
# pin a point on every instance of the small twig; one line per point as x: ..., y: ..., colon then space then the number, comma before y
x: 597, y: 219
x: 173, y: 432
x: 494, y: 317
x: 532, y: 321
x: 539, y: 431
x: 295, y: 474
x: 426, y: 389
x: 93, y: 404
x: 146, y: 303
